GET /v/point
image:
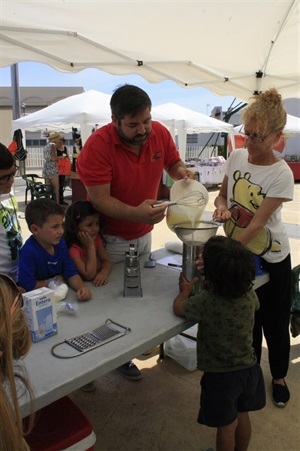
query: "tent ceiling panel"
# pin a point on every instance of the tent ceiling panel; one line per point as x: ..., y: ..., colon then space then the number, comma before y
x: 229, y: 47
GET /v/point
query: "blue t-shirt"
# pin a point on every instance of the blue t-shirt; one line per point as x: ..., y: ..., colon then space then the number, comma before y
x: 37, y: 264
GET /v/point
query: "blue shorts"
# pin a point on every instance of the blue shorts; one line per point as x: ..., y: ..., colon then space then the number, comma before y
x: 223, y: 395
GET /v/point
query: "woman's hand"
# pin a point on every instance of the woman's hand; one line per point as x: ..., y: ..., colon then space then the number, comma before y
x: 221, y: 214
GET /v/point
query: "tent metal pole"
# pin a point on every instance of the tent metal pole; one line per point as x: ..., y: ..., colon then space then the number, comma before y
x: 16, y: 104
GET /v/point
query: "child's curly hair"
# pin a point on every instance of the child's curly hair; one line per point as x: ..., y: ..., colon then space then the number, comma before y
x: 229, y: 267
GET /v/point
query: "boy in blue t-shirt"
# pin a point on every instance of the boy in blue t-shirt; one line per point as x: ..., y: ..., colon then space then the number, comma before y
x: 45, y: 254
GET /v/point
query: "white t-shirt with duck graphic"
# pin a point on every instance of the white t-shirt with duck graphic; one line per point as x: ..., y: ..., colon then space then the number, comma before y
x: 248, y: 185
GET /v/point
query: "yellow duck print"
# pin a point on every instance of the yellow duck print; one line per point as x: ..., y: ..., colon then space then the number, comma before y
x: 247, y: 198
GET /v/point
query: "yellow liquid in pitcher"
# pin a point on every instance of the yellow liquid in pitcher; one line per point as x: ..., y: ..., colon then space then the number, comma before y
x: 178, y: 214
x: 189, y: 207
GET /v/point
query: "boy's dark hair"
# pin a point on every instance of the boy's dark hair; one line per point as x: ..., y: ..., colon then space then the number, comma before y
x: 38, y: 211
x: 129, y: 100
x: 6, y: 158
x: 74, y: 214
x: 229, y: 268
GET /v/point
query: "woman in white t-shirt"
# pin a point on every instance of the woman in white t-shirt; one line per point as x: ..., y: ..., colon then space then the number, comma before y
x: 255, y: 185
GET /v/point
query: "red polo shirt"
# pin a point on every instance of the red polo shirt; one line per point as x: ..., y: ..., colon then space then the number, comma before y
x: 133, y: 178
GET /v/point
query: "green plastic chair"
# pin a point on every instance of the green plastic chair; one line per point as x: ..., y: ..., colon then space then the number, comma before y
x: 36, y: 188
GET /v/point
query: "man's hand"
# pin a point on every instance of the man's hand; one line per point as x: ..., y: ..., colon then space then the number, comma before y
x: 146, y: 213
x: 179, y: 171
x: 184, y: 173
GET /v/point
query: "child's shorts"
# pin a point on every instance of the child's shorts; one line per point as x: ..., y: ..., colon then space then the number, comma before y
x: 223, y: 395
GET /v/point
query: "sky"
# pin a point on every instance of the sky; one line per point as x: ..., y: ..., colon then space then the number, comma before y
x: 198, y: 99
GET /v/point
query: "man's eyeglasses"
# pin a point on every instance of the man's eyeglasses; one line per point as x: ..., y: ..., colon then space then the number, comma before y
x: 254, y: 136
x: 18, y: 301
x: 5, y: 178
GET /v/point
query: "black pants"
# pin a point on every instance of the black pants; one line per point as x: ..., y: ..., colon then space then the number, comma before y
x: 62, y: 179
x: 273, y: 317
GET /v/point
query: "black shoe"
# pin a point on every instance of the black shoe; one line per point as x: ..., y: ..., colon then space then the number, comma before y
x: 130, y: 371
x: 280, y: 394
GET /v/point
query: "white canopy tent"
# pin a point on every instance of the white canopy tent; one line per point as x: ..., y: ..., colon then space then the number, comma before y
x: 92, y: 108
x: 232, y: 48
x: 186, y: 121
x: 84, y: 111
x: 292, y: 126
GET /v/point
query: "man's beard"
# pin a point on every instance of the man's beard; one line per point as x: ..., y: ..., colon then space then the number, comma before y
x: 138, y: 139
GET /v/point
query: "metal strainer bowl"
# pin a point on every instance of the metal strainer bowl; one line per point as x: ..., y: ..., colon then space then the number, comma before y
x: 197, y: 235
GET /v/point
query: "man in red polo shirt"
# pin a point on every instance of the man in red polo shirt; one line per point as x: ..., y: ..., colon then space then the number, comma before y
x: 121, y: 166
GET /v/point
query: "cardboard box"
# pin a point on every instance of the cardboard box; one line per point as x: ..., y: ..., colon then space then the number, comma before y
x: 40, y: 313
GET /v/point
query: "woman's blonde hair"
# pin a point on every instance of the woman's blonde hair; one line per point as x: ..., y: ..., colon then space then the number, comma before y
x: 267, y: 110
x: 14, y: 344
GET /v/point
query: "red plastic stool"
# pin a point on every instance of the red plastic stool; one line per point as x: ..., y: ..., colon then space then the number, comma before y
x: 61, y: 426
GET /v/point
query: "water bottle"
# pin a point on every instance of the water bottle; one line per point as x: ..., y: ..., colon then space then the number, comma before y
x: 67, y: 307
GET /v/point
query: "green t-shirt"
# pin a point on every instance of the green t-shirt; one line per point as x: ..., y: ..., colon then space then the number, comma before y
x: 225, y: 326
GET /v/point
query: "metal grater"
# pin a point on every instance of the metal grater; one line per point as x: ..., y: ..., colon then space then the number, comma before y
x: 97, y: 337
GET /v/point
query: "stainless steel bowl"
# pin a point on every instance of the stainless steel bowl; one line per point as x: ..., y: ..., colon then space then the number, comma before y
x: 197, y: 235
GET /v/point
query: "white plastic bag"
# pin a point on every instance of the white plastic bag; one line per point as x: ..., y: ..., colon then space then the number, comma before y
x: 183, y: 349
x: 60, y: 289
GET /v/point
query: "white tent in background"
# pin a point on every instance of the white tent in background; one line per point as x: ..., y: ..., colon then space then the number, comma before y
x: 186, y: 121
x: 292, y: 126
x: 92, y: 108
x: 84, y: 111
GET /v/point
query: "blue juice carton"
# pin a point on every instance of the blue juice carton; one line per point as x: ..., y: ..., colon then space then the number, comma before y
x: 40, y: 313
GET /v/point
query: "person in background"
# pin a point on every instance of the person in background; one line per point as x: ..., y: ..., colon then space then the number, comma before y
x: 50, y: 169
x: 64, y: 167
x: 85, y: 245
x: 15, y: 343
x: 45, y: 255
x: 255, y: 186
x: 224, y: 308
x: 10, y: 230
x: 121, y: 166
